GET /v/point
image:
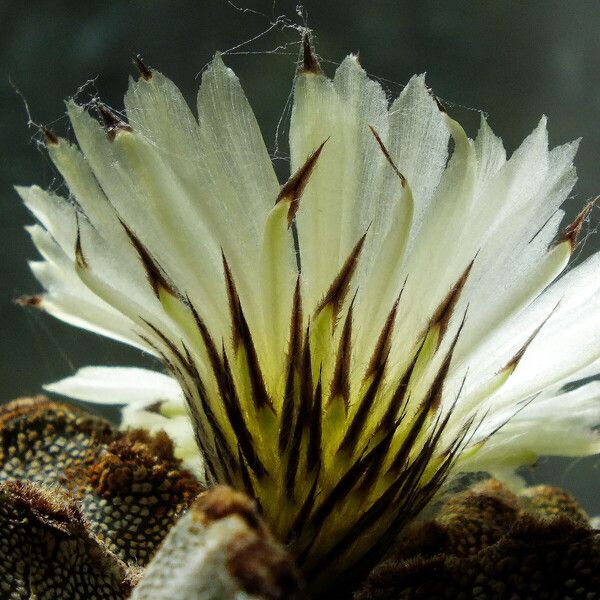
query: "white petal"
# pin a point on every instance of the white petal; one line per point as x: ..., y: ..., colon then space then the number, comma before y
x: 418, y: 141
x: 68, y: 299
x: 56, y: 214
x: 561, y: 425
x: 344, y: 194
x: 118, y: 385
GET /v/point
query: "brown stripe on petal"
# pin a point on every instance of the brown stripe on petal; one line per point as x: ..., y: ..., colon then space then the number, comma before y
x: 260, y: 396
x: 145, y: 71
x: 155, y: 274
x: 340, y: 384
x: 434, y: 396
x: 224, y: 452
x: 412, y: 503
x: 374, y: 471
x: 516, y: 359
x: 310, y: 63
x: 344, y: 486
x: 294, y: 187
x: 293, y: 460
x: 357, y: 425
x: 235, y: 415
x: 400, y: 396
x: 170, y: 344
x: 450, y: 455
x: 313, y: 454
x: 571, y: 232
x: 305, y: 510
x: 429, y: 405
x: 211, y: 418
x: 445, y: 310
x: 246, y: 480
x: 339, y: 288
x: 113, y: 124
x: 383, y: 504
x: 241, y: 335
x: 387, y: 155
x: 234, y: 303
x: 306, y: 383
x: 223, y: 382
x: 225, y: 467
x: 293, y: 368
x: 201, y: 437
x: 384, y: 342
x: 209, y: 344
x: 303, y: 420
x: 79, y: 256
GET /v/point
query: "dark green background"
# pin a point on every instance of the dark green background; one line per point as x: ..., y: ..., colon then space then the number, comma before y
x: 514, y: 60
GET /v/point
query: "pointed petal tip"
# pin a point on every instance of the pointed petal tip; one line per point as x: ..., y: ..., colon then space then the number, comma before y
x: 294, y: 187
x: 113, y: 124
x: 50, y: 137
x: 310, y: 63
x: 155, y: 274
x: 216, y: 63
x: 387, y: 155
x: 145, y: 71
x: 516, y: 359
x: 338, y: 289
x: 439, y: 103
x: 34, y: 300
x: 23, y: 190
x: 79, y: 256
x: 445, y: 310
x: 571, y: 232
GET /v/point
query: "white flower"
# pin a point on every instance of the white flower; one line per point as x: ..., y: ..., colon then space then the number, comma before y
x: 428, y: 333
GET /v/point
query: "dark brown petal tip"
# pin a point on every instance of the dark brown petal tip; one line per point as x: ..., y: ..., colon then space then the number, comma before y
x: 438, y: 102
x: 387, y: 155
x: 113, y: 124
x: 35, y: 300
x: 50, y: 137
x: 293, y: 188
x: 340, y: 384
x: 445, y: 310
x: 154, y: 272
x: 384, y: 342
x: 571, y: 232
x: 242, y: 336
x: 79, y: 256
x: 310, y: 64
x: 514, y: 361
x: 336, y: 294
x: 145, y: 71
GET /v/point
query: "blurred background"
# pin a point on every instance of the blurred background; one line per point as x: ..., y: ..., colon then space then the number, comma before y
x: 512, y: 60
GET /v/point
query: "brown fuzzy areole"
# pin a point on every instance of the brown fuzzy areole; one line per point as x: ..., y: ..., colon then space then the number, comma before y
x: 50, y: 506
x: 488, y: 542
